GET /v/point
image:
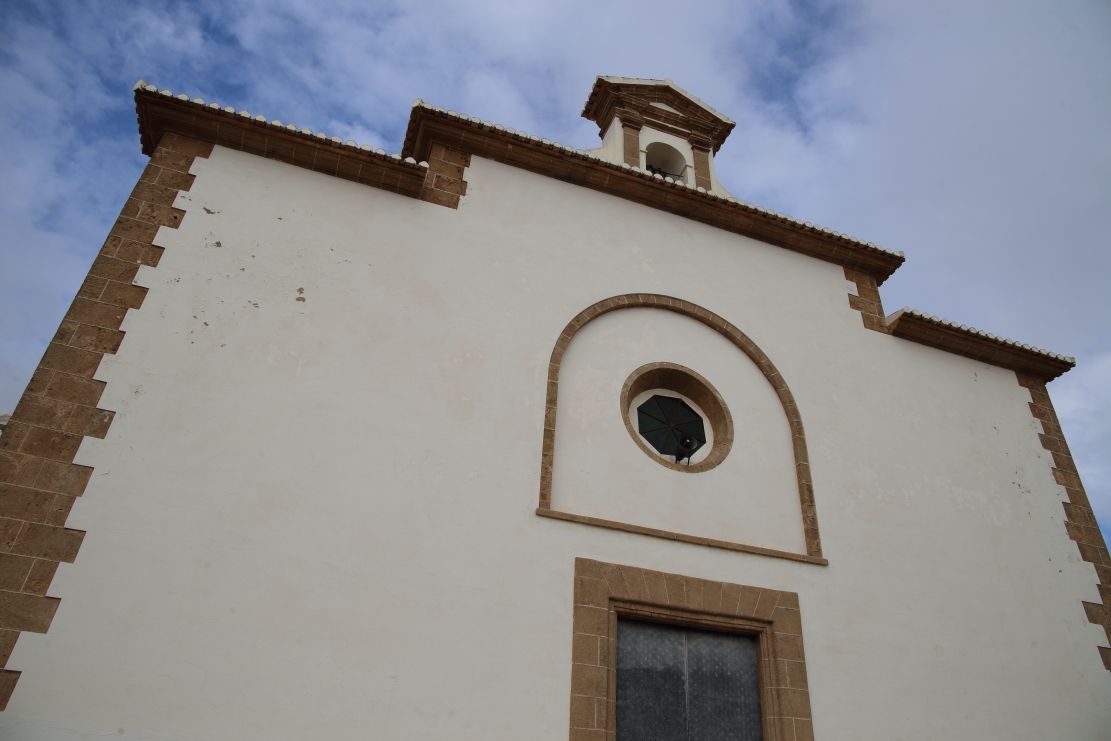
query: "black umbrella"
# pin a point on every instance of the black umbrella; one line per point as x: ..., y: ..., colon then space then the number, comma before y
x: 671, y: 426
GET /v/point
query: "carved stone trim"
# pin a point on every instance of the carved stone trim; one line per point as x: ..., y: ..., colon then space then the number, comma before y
x: 725, y: 545
x: 38, y: 480
x: 159, y: 114
x: 702, y: 168
x: 688, y: 116
x: 682, y: 380
x: 1080, y: 521
x: 959, y: 340
x: 867, y: 300
x: 631, y: 143
x: 739, y: 340
x: 604, y: 592
x: 444, y: 185
x: 428, y: 126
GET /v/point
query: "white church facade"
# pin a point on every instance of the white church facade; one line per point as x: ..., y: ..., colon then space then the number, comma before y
x: 500, y: 439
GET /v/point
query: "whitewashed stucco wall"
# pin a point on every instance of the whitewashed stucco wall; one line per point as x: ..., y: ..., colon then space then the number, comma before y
x: 314, y: 519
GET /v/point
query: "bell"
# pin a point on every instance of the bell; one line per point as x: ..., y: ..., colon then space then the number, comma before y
x: 685, y: 449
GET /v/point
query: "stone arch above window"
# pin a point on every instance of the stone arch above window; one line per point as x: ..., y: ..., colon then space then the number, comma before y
x: 749, y: 348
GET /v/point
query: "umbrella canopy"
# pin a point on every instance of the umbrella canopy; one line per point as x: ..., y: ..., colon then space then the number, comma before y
x: 671, y: 426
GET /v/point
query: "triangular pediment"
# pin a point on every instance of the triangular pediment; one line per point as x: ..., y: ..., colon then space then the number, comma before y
x: 658, y: 103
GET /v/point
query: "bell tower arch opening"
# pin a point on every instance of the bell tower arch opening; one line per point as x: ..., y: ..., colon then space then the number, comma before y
x: 657, y: 127
x: 666, y: 160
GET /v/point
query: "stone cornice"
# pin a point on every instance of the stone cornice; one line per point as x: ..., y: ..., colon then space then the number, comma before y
x: 681, y: 114
x: 428, y: 125
x: 605, y: 84
x: 972, y: 343
x: 161, y: 111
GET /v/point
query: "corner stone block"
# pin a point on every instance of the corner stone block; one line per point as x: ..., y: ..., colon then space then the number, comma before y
x: 27, y: 612
x: 7, y: 685
x: 49, y: 542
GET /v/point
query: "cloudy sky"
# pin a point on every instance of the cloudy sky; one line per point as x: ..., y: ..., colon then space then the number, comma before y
x: 975, y: 136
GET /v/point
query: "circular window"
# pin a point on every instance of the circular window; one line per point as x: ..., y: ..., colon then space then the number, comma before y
x: 676, y: 417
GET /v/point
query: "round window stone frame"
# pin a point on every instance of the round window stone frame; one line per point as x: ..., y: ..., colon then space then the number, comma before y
x: 684, y: 381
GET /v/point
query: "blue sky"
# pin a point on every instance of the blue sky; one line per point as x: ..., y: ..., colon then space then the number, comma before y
x: 973, y: 136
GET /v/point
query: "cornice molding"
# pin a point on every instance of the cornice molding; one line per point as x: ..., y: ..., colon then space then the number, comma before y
x: 690, y: 124
x: 161, y: 111
x: 972, y: 343
x: 429, y: 125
